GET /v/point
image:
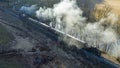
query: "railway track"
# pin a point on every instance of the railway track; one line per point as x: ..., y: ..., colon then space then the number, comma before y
x: 56, y: 33
x: 83, y: 44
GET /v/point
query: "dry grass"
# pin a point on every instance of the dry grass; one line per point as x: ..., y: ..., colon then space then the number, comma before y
x: 115, y: 4
x: 103, y: 9
x: 99, y: 13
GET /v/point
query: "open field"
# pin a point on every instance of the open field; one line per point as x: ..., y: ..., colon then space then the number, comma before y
x: 9, y: 64
x: 5, y: 36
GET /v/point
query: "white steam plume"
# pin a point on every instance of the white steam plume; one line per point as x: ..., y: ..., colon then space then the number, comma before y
x: 66, y: 11
x: 67, y: 17
x: 44, y: 13
x: 112, y: 18
x: 29, y: 10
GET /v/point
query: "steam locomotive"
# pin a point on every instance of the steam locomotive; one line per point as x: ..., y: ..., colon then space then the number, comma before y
x: 49, y: 31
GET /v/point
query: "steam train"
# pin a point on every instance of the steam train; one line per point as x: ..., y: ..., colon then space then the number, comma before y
x: 49, y: 31
x: 34, y: 23
x: 56, y: 35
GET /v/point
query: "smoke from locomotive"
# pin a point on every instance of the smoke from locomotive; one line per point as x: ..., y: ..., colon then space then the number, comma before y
x: 66, y: 16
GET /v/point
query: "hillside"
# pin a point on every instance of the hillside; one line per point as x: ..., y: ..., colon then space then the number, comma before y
x: 53, y: 54
x: 32, y: 45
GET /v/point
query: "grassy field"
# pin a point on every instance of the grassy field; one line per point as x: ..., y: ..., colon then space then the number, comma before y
x: 5, y: 63
x: 47, y: 3
x: 5, y: 36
